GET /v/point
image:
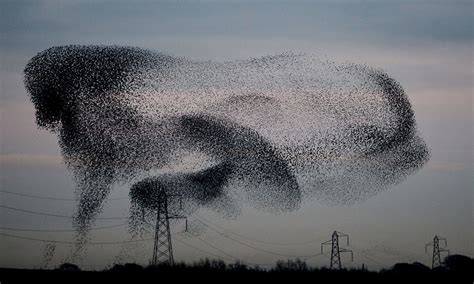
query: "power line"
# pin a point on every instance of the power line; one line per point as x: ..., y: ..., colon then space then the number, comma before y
x: 49, y: 197
x: 70, y: 242
x: 102, y: 243
x: 229, y: 255
x: 219, y: 256
x: 199, y: 249
x: 201, y: 219
x: 216, y: 248
x: 60, y: 230
x: 253, y: 247
x: 98, y: 243
x: 383, y: 249
x: 257, y: 240
x: 215, y: 255
x: 232, y: 258
x: 370, y: 258
x: 37, y: 196
x: 56, y: 215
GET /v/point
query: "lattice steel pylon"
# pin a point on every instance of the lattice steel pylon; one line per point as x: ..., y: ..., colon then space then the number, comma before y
x: 163, y: 248
x: 336, y: 250
x: 436, y: 262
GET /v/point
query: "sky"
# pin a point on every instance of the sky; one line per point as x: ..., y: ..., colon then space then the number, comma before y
x: 424, y: 45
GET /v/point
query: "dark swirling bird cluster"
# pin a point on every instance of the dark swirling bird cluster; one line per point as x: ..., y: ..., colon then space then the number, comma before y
x: 270, y: 132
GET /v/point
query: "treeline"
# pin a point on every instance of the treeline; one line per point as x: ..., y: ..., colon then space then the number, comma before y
x: 455, y: 269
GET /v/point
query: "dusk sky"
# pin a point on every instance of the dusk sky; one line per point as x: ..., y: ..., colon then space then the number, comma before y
x: 427, y: 46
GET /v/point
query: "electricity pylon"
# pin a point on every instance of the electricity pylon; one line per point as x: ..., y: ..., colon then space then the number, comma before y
x: 163, y: 248
x: 336, y: 250
x: 436, y: 262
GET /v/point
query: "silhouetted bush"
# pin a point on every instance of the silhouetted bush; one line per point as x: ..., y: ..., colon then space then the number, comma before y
x: 68, y: 267
x: 415, y: 267
x: 459, y: 263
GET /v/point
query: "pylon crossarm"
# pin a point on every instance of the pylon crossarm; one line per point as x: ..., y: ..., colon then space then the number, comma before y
x: 342, y: 234
x: 346, y: 250
x: 443, y: 239
x: 325, y: 243
x: 445, y: 250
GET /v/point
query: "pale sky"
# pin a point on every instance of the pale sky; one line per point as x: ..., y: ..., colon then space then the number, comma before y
x: 424, y: 45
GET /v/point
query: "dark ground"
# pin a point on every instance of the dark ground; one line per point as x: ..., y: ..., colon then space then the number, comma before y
x: 56, y: 276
